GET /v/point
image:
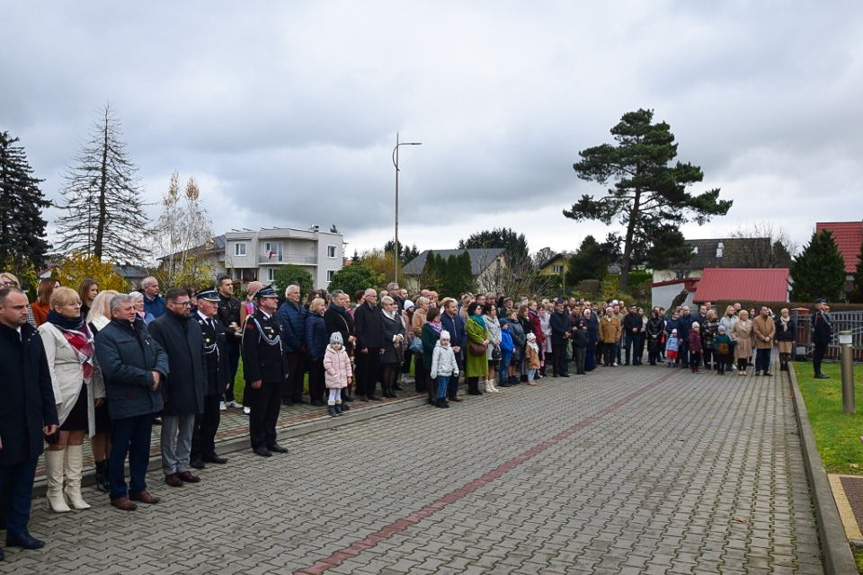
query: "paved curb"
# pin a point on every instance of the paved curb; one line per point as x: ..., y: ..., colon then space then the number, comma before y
x: 836, y: 552
x: 288, y: 431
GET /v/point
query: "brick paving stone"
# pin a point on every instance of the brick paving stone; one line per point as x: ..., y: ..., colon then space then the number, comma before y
x: 630, y: 470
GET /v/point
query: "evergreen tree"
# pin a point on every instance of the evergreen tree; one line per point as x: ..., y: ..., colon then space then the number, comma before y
x: 293, y: 275
x: 857, y: 294
x: 517, y: 252
x: 353, y: 278
x: 589, y: 262
x: 22, y: 227
x: 819, y: 270
x: 649, y: 196
x: 104, y: 215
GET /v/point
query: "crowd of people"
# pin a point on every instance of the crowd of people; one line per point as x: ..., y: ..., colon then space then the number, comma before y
x: 106, y: 365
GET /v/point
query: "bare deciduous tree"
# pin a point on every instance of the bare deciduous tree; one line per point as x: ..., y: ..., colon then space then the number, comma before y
x: 774, y: 252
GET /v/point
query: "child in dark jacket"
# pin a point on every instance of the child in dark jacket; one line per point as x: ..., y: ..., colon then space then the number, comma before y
x: 694, y: 339
x: 722, y: 348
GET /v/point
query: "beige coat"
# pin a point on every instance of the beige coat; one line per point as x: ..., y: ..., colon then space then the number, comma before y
x: 67, y: 377
x: 741, y: 334
x: 763, y: 327
x: 609, y: 329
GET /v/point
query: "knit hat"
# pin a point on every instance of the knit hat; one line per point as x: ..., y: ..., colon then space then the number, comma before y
x: 531, y: 337
x: 336, y: 337
x: 444, y: 334
x: 674, y: 332
x: 721, y: 329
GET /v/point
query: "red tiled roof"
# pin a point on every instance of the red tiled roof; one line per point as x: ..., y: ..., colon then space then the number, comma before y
x: 749, y: 284
x: 848, y: 237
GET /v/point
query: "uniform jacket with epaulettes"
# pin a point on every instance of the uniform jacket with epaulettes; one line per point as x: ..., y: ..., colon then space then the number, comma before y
x: 262, y: 349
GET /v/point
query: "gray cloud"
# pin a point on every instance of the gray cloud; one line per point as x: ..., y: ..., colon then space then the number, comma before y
x: 286, y: 113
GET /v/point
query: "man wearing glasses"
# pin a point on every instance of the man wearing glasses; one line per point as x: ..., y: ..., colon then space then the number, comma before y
x: 184, y: 387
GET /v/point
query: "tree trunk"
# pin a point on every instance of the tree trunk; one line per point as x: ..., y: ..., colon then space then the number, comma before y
x: 626, y: 264
x: 103, y: 184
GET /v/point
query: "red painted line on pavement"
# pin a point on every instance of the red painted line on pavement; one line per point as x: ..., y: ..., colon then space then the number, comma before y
x: 400, y: 525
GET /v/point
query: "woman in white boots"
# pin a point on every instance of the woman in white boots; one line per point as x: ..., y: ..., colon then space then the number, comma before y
x: 78, y: 388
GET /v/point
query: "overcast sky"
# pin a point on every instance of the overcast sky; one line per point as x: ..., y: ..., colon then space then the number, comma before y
x: 286, y: 112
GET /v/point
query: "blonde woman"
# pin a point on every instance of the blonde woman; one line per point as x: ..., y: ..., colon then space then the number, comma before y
x: 741, y: 335
x: 100, y: 443
x: 78, y: 388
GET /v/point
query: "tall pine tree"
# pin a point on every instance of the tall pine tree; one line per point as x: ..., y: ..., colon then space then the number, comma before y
x: 22, y: 228
x: 104, y: 215
x: 819, y: 270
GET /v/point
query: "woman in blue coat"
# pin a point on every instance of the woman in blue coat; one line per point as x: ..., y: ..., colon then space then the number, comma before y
x: 316, y: 339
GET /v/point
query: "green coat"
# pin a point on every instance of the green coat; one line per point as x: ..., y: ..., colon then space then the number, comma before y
x: 475, y: 365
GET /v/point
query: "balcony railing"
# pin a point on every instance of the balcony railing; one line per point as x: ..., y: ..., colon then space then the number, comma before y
x: 286, y: 259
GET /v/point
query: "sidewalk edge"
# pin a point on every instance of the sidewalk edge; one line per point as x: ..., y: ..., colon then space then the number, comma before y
x: 836, y: 551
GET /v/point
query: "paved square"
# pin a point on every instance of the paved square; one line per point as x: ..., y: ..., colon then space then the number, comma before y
x: 627, y: 470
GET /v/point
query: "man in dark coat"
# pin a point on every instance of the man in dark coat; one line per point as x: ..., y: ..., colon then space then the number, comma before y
x: 560, y: 333
x: 633, y: 334
x: 292, y: 322
x: 822, y: 331
x: 27, y: 411
x: 229, y: 316
x: 368, y: 325
x: 184, y: 388
x: 265, y: 371
x: 452, y: 322
x: 133, y: 366
x: 218, y: 379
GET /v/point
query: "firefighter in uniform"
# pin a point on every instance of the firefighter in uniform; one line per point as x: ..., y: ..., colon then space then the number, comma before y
x: 218, y: 379
x: 822, y: 332
x: 265, y: 371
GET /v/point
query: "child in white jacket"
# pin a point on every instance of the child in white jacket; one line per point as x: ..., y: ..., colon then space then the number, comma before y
x: 337, y: 368
x: 443, y: 367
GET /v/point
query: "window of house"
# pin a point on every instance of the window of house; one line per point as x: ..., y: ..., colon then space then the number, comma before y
x: 271, y: 274
x: 331, y: 252
x: 558, y: 269
x: 330, y: 274
x: 239, y: 249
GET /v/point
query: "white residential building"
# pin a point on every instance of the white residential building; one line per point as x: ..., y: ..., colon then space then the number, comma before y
x: 257, y: 255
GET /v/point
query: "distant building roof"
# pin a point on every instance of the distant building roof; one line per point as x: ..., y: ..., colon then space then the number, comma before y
x: 552, y: 259
x: 749, y: 284
x: 480, y: 259
x: 848, y: 237
x: 725, y: 252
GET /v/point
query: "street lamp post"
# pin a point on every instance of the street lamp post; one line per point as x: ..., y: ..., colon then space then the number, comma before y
x: 396, y: 242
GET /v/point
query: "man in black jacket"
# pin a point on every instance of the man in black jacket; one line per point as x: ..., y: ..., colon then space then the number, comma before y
x: 218, y: 379
x: 184, y: 388
x: 633, y: 334
x: 133, y: 366
x: 822, y: 331
x: 229, y: 315
x: 27, y: 411
x: 560, y: 333
x: 370, y: 341
x: 265, y: 371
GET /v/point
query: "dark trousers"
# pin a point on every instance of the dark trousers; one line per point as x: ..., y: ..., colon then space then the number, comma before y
x: 233, y: 348
x: 579, y: 354
x: 633, y: 341
x: 639, y: 349
x: 292, y: 388
x: 419, y: 373
x: 708, y: 355
x: 762, y: 360
x: 130, y: 437
x: 683, y: 353
x: 206, y: 426
x: 264, y: 404
x: 607, y: 354
x: 558, y: 352
x: 17, y: 489
x: 367, y: 371
x: 695, y: 363
x: 406, y: 364
x: 317, y: 387
x: 818, y: 357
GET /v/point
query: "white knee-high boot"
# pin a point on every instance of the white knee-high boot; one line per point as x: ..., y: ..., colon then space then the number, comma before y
x: 74, y: 468
x: 54, y: 476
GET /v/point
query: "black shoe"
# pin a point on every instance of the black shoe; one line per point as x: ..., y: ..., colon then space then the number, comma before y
x: 317, y: 403
x: 441, y: 403
x: 262, y: 451
x: 768, y: 374
x: 198, y: 463
x: 276, y: 448
x: 822, y: 376
x: 2, y: 555
x: 23, y: 540
x: 397, y: 387
x: 102, y: 483
x: 373, y: 398
x: 347, y: 399
x: 345, y: 407
x: 214, y: 458
x: 300, y: 401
